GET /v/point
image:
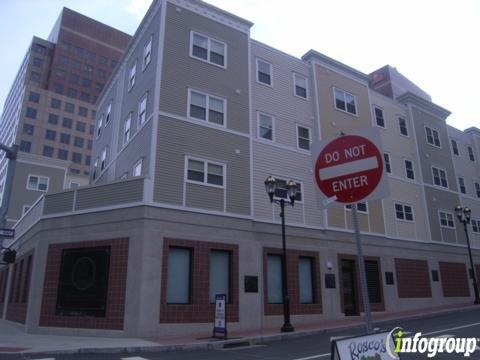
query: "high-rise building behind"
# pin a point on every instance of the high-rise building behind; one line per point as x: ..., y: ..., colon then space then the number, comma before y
x: 50, y: 109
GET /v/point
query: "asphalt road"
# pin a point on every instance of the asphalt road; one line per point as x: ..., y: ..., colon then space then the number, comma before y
x: 310, y: 347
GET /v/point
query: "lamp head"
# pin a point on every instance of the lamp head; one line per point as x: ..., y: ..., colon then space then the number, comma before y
x: 270, y: 186
x: 291, y: 191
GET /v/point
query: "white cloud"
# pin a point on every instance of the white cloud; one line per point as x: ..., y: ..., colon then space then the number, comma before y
x: 138, y: 7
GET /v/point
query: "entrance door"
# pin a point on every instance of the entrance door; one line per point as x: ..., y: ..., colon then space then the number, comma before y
x: 350, y: 306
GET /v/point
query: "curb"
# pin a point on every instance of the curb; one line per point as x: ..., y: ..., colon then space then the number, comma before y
x: 219, y: 344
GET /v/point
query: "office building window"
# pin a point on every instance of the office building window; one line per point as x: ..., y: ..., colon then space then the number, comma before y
x: 446, y: 219
x: 179, y: 275
x: 379, y: 119
x: 37, y: 62
x: 78, y: 142
x: 58, y: 88
x: 89, y: 144
x: 82, y: 111
x: 274, y: 279
x: 62, y: 154
x: 409, y: 170
x: 147, y: 53
x: 142, y: 110
x: 454, y: 147
x: 88, y: 159
x: 65, y: 138
x: 402, y: 125
x: 69, y: 107
x: 48, y: 151
x: 205, y: 172
x: 403, y: 212
x: 300, y: 86
x: 303, y: 137
x: 28, y: 129
x: 131, y: 77
x: 126, y: 128
x: 81, y: 126
x: 265, y: 126
x: 55, y: 103
x: 38, y: 183
x: 219, y: 274
x: 50, y: 135
x: 345, y: 101
x: 67, y: 123
x: 461, y: 185
x: 433, y: 138
x: 77, y: 158
x: 34, y: 97
x: 72, y: 93
x: 207, y: 107
x: 31, y: 113
x: 306, y: 279
x: 388, y: 166
x: 53, y: 119
x: 208, y: 49
x: 25, y: 146
x: 470, y: 153
x: 264, y: 72
x: 439, y: 177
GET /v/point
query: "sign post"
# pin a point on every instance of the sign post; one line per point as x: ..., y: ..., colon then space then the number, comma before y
x: 349, y: 169
x: 220, y: 325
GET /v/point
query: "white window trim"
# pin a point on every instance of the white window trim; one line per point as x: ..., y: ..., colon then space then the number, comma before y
x: 359, y: 211
x: 406, y: 124
x: 295, y: 75
x: 100, y: 125
x: 108, y: 114
x: 433, y: 177
x: 208, y: 50
x: 207, y: 120
x: 403, y: 210
x: 451, y: 146
x: 345, y: 100
x: 145, y: 65
x: 273, y: 127
x: 405, y: 169
x: 131, y: 84
x: 309, y: 138
x: 95, y: 172
x: 478, y: 226
x: 129, y: 117
x: 473, y: 154
x: 205, y: 172
x: 104, y: 151
x: 389, y: 161
x: 286, y: 178
x: 459, y: 185
x: 271, y: 72
x: 426, y: 137
x: 446, y: 226
x: 38, y: 176
x: 141, y: 124
x: 139, y: 162
x: 375, y: 117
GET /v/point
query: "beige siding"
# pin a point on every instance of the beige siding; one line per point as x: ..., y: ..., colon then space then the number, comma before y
x: 60, y: 202
x: 200, y: 196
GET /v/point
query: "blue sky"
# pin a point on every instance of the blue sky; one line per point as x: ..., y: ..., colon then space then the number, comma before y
x: 435, y: 43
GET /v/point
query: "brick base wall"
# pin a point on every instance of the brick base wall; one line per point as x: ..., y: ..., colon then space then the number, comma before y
x: 413, y: 278
x: 199, y: 310
x: 454, y: 279
x: 117, y: 281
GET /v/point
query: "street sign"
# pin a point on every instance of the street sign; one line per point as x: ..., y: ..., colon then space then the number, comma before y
x: 349, y: 168
x: 220, y: 325
x: 7, y: 233
x: 379, y: 346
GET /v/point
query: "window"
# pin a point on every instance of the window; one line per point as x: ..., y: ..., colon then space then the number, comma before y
x: 477, y: 189
x: 48, y: 151
x: 219, y: 274
x: 67, y: 123
x: 83, y: 111
x: 86, y: 82
x: 300, y: 85
x: 131, y: 78
x: 432, y: 137
x: 454, y: 147
x: 142, y: 110
x: 34, y: 97
x: 446, y: 219
x: 403, y: 212
x: 274, y: 279
x: 207, y: 107
x: 409, y: 170
x: 69, y: 107
x: 137, y: 168
x: 103, y: 162
x: 374, y: 284
x: 31, y: 113
x: 361, y: 207
x: 25, y: 146
x: 50, y: 135
x: 179, y: 275
x: 89, y: 144
x: 388, y: 166
x: 88, y: 159
x: 62, y: 154
x: 303, y: 137
x: 124, y: 176
x: 102, y: 60
x: 81, y: 126
x: 78, y: 142
x: 147, y: 53
x: 37, y: 62
x: 38, y: 183
x: 476, y: 226
x: 379, y: 119
x: 196, y: 170
x: 74, y: 79
x: 281, y: 190
x: 77, y: 158
x: 72, y: 93
x: 108, y: 113
x: 470, y: 153
x: 28, y: 129
x: 345, y: 101
x: 55, y: 103
x: 305, y: 279
x: 264, y: 72
x: 265, y: 126
x: 95, y: 168
x: 99, y: 128
x: 461, y: 185
x: 53, y: 119
x: 58, y: 88
x: 65, y: 138
x: 126, y: 128
x: 208, y: 49
x: 439, y: 177
x: 35, y: 76
x: 25, y: 209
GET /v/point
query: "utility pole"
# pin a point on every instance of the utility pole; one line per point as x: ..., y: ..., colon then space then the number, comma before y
x: 11, y: 155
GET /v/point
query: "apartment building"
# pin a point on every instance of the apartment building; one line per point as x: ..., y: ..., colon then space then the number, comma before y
x: 50, y: 110
x: 194, y: 118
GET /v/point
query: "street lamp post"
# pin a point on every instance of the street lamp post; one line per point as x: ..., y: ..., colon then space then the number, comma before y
x: 270, y: 187
x: 463, y: 215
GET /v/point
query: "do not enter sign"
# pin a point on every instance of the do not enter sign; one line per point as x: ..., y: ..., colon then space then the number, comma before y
x: 349, y: 168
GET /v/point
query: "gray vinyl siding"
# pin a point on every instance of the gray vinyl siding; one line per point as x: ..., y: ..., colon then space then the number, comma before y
x: 178, y: 139
x: 58, y: 203
x: 201, y: 196
x: 180, y: 71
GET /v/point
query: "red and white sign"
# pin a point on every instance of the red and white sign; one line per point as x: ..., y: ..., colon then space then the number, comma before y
x: 349, y: 168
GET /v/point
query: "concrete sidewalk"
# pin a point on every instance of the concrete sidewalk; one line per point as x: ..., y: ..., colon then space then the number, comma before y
x: 13, y: 340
